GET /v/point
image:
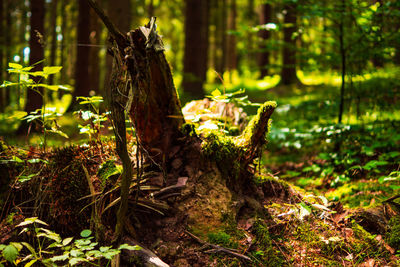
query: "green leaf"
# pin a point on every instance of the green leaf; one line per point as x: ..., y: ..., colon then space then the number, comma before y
x: 60, y: 257
x: 49, y: 234
x: 14, y: 65
x: 76, y: 253
x: 31, y: 220
x: 2, y: 246
x: 34, y: 161
x: 25, y: 178
x: 374, y: 164
x: 38, y: 74
x: 216, y: 93
x: 86, y: 233
x: 66, y: 241
x: 29, y: 247
x: 59, y: 132
x: 47, y: 86
x: 65, y: 88
x: 29, y: 264
x: 75, y: 261
x: 8, y: 84
x: 10, y: 253
x: 17, y: 245
x: 16, y: 159
x: 129, y: 247
x: 104, y: 249
x: 52, y: 70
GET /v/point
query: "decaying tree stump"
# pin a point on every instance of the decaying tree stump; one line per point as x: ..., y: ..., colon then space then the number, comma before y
x: 215, y: 165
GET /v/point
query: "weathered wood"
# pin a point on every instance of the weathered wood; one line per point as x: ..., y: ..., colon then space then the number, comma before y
x: 153, y: 104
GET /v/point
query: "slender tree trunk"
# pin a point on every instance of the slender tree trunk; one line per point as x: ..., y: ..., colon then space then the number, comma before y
x: 7, y: 43
x: 288, y: 73
x: 62, y: 43
x: 82, y: 79
x: 150, y: 9
x: 36, y: 42
x: 22, y: 30
x: 196, y: 47
x: 220, y: 38
x: 119, y: 12
x: 265, y: 34
x: 377, y: 58
x: 94, y: 66
x: 53, y: 45
x: 251, y: 19
x: 343, y: 61
x: 2, y: 53
x: 231, y: 54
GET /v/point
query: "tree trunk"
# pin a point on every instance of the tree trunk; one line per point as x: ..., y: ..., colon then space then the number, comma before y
x: 119, y: 13
x: 2, y: 48
x: 220, y: 38
x: 62, y: 44
x: 82, y: 79
x: 94, y: 62
x: 8, y: 39
x: 265, y: 35
x: 377, y: 57
x: 231, y: 55
x: 34, y: 100
x: 196, y: 48
x: 288, y: 73
x: 343, y: 62
x: 53, y: 45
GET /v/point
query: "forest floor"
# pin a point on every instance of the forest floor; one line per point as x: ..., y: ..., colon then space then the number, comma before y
x: 325, y: 200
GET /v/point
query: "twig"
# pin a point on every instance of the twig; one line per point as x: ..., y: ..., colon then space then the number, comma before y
x: 216, y: 248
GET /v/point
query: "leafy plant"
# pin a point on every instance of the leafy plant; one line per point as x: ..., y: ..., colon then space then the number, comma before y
x: 92, y: 115
x: 49, y: 249
x: 45, y: 116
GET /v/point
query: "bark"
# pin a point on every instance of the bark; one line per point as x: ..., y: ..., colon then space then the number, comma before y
x: 220, y: 38
x: 7, y: 42
x: 94, y: 62
x: 62, y: 43
x: 265, y: 35
x: 231, y: 54
x: 120, y: 15
x: 196, y: 47
x: 36, y: 42
x: 343, y: 61
x: 82, y: 79
x: 53, y: 45
x: 288, y: 73
x: 2, y: 48
x: 378, y: 58
x: 150, y: 9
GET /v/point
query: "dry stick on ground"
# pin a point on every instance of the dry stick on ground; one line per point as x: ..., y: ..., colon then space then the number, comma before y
x: 216, y: 248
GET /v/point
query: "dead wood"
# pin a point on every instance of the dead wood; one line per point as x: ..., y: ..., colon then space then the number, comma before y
x: 148, y: 258
x: 216, y: 248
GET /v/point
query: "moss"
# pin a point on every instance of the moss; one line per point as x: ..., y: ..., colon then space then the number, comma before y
x: 253, y: 125
x: 394, y: 233
x: 108, y: 172
x: 266, y: 252
x: 222, y: 238
x: 260, y: 179
x: 223, y: 150
x: 366, y: 246
x: 189, y: 129
x: 3, y: 146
